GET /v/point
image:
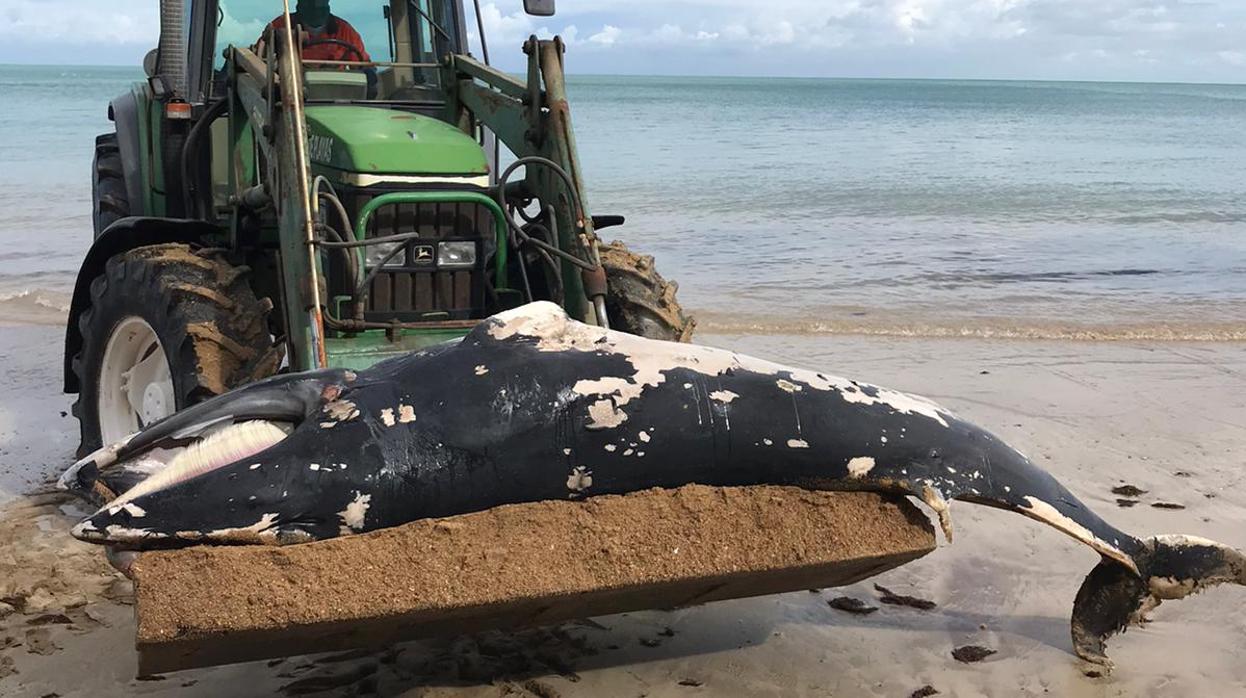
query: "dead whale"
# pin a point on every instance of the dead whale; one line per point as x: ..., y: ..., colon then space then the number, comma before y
x: 534, y: 406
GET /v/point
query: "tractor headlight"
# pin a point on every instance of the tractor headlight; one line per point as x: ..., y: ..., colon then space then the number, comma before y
x: 456, y: 254
x: 377, y: 253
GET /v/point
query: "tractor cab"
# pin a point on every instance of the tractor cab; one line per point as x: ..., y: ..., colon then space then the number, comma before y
x: 355, y: 50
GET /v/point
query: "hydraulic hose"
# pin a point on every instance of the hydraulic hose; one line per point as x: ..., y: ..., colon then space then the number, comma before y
x: 348, y: 259
x: 593, y: 274
x: 193, y: 205
x: 518, y: 233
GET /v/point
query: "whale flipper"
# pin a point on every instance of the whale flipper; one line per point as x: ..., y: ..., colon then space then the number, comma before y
x: 1170, y: 567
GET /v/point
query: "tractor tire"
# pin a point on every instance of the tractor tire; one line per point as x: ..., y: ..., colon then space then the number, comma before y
x: 109, y: 201
x: 638, y: 300
x: 190, y: 304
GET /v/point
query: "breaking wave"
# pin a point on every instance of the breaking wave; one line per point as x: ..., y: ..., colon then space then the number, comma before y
x: 711, y: 322
x: 34, y: 306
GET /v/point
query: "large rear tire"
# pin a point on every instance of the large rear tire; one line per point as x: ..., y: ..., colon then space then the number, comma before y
x: 638, y: 300
x: 109, y: 201
x: 168, y: 326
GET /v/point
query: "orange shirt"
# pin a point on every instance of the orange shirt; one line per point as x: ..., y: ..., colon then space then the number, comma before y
x: 336, y: 28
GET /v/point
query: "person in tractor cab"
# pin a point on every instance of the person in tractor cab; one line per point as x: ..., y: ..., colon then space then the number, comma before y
x: 325, y: 36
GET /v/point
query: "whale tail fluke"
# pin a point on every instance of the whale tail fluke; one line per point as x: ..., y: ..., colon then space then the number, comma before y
x: 1170, y: 567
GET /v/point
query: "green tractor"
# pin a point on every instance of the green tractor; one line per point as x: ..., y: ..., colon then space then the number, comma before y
x: 275, y: 198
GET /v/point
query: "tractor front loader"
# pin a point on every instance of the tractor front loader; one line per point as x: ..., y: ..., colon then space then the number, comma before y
x: 258, y: 209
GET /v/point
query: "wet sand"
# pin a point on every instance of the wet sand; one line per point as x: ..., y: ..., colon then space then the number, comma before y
x: 1168, y: 418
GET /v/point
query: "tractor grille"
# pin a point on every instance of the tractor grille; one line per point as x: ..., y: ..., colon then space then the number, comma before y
x: 413, y: 286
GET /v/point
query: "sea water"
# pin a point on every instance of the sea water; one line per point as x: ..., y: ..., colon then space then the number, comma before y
x: 1046, y: 209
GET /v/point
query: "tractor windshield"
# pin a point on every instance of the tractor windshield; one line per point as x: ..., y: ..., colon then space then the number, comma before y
x: 354, y: 50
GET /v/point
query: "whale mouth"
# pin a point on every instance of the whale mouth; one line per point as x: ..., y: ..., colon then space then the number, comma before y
x: 205, y: 436
x: 217, y: 449
x: 124, y: 484
x: 105, y: 479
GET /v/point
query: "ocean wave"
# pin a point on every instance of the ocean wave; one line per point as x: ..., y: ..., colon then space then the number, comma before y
x: 34, y: 306
x: 1178, y: 217
x: 711, y: 322
x: 1035, y: 276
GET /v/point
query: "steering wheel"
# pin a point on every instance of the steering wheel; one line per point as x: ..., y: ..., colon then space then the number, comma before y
x: 336, y: 42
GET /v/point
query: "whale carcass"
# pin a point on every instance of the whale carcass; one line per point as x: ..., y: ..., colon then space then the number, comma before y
x: 533, y: 406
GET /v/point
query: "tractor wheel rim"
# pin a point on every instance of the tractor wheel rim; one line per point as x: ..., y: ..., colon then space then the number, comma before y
x: 135, y: 383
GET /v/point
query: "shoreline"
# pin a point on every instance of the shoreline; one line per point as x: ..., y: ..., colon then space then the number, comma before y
x: 31, y: 310
x: 1166, y: 417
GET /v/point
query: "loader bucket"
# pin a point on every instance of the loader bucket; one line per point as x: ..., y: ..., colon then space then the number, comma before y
x: 512, y: 567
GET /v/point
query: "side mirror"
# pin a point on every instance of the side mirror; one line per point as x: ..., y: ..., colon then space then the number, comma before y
x: 539, y: 8
x: 151, y: 62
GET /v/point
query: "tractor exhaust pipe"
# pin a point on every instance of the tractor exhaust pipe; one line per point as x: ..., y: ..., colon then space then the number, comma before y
x: 171, y: 54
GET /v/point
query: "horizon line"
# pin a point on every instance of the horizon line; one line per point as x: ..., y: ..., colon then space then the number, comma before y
x: 763, y: 77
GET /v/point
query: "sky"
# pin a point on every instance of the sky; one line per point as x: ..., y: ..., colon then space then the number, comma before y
x: 1145, y: 40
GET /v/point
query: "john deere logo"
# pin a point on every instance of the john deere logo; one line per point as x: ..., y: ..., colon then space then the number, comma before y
x: 320, y: 148
x: 424, y: 254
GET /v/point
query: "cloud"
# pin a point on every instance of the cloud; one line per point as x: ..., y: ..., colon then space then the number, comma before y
x: 1062, y: 39
x: 239, y: 31
x: 80, y: 22
x: 503, y: 28
x: 1078, y: 39
x: 800, y: 24
x: 676, y: 35
x: 1237, y: 58
x: 607, y: 36
x: 515, y: 28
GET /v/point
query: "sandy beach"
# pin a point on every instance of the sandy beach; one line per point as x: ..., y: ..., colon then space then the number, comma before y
x: 1166, y: 417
